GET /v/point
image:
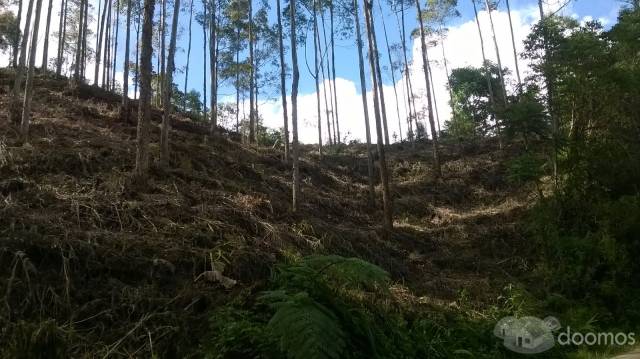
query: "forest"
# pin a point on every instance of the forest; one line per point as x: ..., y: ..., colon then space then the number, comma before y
x: 319, y: 179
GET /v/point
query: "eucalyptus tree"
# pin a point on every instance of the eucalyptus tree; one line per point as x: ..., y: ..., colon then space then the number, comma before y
x: 28, y: 93
x: 186, y: 74
x: 14, y: 111
x: 294, y: 107
x: 252, y: 119
x: 513, y: 44
x: 99, y: 43
x: 365, y: 106
x: 168, y: 87
x: 62, y: 29
x: 45, y: 47
x: 144, y: 104
x: 384, y: 173
x: 124, y: 108
x: 487, y: 72
x: 489, y: 8
x: 16, y: 44
x: 425, y: 66
x: 115, y: 46
x: 283, y: 83
x: 391, y: 68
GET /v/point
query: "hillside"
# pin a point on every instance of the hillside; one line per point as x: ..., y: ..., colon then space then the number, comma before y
x: 117, y: 270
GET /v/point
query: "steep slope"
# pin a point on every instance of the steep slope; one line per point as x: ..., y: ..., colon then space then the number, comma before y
x: 117, y: 269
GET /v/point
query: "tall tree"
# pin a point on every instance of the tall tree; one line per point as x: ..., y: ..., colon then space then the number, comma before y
x: 144, y: 104
x: 384, y: 173
x: 115, y: 47
x: 549, y: 85
x: 327, y: 109
x: 28, y: 92
x: 252, y: 72
x: 61, y: 36
x: 186, y: 73
x: 378, y: 74
x: 204, y: 54
x: 16, y: 44
x: 486, y: 66
x: 365, y: 106
x: 99, y: 44
x: 124, y: 109
x: 45, y: 48
x: 294, y: 108
x: 497, y: 48
x: 333, y: 73
x: 316, y: 46
x: 513, y: 44
x: 14, y: 111
x: 283, y: 84
x: 391, y: 69
x: 77, y: 66
x: 168, y: 87
x: 107, y: 37
x: 425, y: 66
x: 213, y: 66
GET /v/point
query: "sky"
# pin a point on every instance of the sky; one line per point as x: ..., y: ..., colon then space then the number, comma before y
x: 462, y: 48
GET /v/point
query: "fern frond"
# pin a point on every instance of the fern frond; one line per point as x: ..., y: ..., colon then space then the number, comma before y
x: 347, y: 271
x: 306, y: 329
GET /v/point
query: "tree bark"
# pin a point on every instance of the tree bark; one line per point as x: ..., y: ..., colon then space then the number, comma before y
x: 283, y: 85
x: 45, y: 49
x: 316, y: 46
x: 204, y: 54
x: 186, y: 74
x: 115, y: 47
x: 384, y: 175
x: 213, y: 67
x: 28, y: 93
x: 425, y: 66
x: 138, y: 42
x: 85, y: 31
x: 61, y: 36
x: 168, y: 87
x: 144, y: 104
x: 378, y: 75
x: 252, y: 120
x: 294, y: 110
x: 124, y: 110
x: 76, y: 73
x: 410, y: 97
x: 105, y: 67
x: 365, y: 106
x: 99, y: 45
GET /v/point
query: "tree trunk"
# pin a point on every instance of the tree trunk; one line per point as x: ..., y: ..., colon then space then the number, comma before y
x: 384, y: 175
x: 45, y: 49
x: 446, y: 70
x: 378, y: 74
x: 410, y: 98
x: 28, y: 93
x: 336, y: 125
x: 186, y: 74
x: 204, y: 63
x: 85, y: 31
x: 324, y: 82
x: 213, y: 66
x: 547, y: 77
x: 252, y: 123
x: 316, y: 46
x: 365, y: 106
x: 163, y: 63
x: 393, y: 76
x: 513, y: 43
x: 14, y: 50
x: 76, y: 73
x: 99, y: 44
x: 105, y: 67
x: 144, y: 105
x: 425, y: 66
x: 115, y: 47
x: 435, y: 102
x: 283, y: 85
x: 168, y: 87
x: 138, y: 42
x: 495, y: 45
x: 124, y: 110
x: 485, y: 64
x: 61, y: 36
x: 294, y: 109
x: 15, y: 110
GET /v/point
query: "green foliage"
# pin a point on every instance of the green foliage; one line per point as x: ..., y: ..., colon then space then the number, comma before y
x: 9, y: 30
x: 526, y: 168
x: 35, y: 340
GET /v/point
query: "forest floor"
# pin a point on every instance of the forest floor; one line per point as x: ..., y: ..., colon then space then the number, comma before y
x: 118, y: 269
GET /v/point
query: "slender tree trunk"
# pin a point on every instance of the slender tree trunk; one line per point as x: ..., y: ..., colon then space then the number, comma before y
x: 495, y: 45
x: 513, y: 44
x: 425, y: 66
x: 124, y: 110
x: 85, y: 33
x: 435, y: 102
x: 485, y: 64
x: 76, y: 73
x: 16, y: 45
x: 163, y: 52
x: 238, y: 82
x: 378, y: 74
x: 294, y: 109
x: 204, y: 54
x: 384, y: 175
x: 61, y: 36
x: 168, y: 86
x: 327, y: 110
x: 15, y: 110
x: 144, y: 105
x: 115, y: 47
x: 393, y: 76
x: 252, y: 120
x: 548, y: 79
x: 107, y: 46
x: 28, y: 93
x: 410, y: 98
x: 186, y: 74
x: 283, y: 85
x: 336, y: 126
x: 45, y: 49
x: 446, y: 69
x: 365, y: 106
x: 138, y: 42
x: 316, y: 46
x: 96, y: 69
x: 213, y: 67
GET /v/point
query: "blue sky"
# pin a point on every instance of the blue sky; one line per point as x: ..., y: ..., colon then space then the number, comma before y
x: 462, y: 47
